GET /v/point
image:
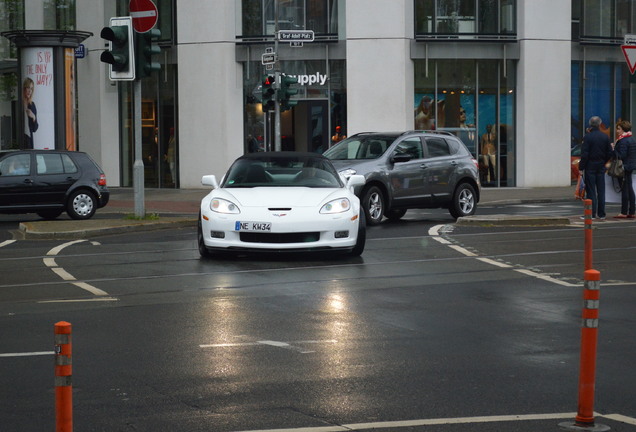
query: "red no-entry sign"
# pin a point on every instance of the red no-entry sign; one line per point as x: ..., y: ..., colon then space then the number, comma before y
x: 144, y: 15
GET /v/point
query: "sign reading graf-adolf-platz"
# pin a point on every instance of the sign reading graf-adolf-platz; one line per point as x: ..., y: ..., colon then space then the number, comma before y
x: 144, y: 15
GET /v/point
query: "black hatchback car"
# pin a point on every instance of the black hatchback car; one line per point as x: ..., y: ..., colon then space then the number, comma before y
x: 49, y: 182
x: 409, y: 170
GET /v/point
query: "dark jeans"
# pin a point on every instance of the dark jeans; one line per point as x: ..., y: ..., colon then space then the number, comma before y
x: 628, y: 200
x: 595, y: 190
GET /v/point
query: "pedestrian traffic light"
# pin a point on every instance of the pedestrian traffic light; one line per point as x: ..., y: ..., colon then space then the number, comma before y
x: 145, y: 48
x: 285, y: 92
x: 121, y: 49
x: 268, y: 92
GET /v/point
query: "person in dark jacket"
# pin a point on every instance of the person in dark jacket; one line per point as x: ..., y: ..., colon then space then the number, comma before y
x: 595, y: 152
x: 625, y: 150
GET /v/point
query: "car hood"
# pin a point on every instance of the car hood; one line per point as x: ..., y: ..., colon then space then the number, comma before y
x: 282, y: 197
x: 360, y: 165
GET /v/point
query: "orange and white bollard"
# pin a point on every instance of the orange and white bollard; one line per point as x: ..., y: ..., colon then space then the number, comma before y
x: 63, y: 378
x: 584, y: 420
x: 587, y: 252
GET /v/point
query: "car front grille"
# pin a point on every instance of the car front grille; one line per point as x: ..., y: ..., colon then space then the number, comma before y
x: 301, y: 237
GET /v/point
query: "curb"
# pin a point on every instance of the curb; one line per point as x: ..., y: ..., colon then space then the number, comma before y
x: 508, y: 220
x: 53, y: 230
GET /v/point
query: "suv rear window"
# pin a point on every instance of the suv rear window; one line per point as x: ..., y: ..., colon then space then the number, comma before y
x: 437, y: 147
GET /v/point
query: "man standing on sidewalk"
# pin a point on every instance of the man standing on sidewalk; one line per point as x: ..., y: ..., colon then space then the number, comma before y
x: 595, y: 152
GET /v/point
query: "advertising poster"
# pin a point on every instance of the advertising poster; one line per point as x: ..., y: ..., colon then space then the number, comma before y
x: 38, y: 97
x: 69, y: 94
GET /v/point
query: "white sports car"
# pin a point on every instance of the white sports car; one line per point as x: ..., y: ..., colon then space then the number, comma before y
x: 283, y: 202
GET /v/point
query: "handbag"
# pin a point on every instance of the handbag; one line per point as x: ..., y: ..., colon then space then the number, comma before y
x: 616, y: 169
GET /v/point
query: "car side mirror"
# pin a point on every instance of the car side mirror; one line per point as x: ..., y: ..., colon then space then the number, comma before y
x: 401, y: 157
x: 210, y: 180
x: 355, y: 180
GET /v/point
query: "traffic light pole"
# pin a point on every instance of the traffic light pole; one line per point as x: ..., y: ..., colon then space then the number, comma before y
x: 138, y: 166
x: 277, y: 144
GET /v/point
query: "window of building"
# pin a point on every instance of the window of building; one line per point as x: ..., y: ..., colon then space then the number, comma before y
x: 604, y: 92
x: 474, y: 100
x: 469, y: 19
x: 603, y: 21
x: 258, y: 17
x: 311, y: 124
x: 59, y: 15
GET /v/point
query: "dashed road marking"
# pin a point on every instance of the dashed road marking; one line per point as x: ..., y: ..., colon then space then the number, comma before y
x: 66, y: 276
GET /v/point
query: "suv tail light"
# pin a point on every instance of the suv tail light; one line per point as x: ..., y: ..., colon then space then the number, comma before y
x: 476, y: 164
x: 102, y: 180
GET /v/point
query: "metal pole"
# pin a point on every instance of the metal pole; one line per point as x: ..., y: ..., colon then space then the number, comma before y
x: 138, y: 166
x: 277, y: 144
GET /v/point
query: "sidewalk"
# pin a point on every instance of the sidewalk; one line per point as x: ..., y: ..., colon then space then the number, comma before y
x: 180, y: 207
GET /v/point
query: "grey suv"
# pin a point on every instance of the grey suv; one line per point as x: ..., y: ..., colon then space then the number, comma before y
x: 408, y: 170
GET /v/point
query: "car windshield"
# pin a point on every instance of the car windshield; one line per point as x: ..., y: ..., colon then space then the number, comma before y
x: 366, y: 147
x: 282, y: 171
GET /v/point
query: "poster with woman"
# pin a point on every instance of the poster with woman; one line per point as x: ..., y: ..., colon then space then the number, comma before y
x: 38, y: 97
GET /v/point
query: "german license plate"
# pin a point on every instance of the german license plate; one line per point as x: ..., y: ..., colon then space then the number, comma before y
x: 253, y: 226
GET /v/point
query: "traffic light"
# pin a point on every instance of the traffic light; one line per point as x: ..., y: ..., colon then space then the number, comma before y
x: 268, y: 86
x: 121, y: 49
x: 285, y: 92
x: 145, y: 48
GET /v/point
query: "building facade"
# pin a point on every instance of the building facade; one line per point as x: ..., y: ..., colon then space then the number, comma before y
x: 516, y: 80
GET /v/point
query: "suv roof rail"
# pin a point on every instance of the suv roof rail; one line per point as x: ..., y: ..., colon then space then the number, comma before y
x: 438, y: 132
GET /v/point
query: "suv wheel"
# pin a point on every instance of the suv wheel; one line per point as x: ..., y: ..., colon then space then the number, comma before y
x: 373, y: 205
x: 464, y: 201
x: 81, y: 205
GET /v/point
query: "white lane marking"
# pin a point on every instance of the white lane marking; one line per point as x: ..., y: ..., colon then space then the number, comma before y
x: 66, y: 276
x: 90, y: 288
x: 494, y: 262
x: 445, y: 421
x: 546, y: 278
x: 434, y: 233
x: 27, y: 354
x: 7, y: 243
x: 621, y: 418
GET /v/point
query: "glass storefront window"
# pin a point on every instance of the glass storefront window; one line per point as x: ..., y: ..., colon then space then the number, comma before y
x: 465, y: 17
x: 474, y: 100
x: 308, y: 126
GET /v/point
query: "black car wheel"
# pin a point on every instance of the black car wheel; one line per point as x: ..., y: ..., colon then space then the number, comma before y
x: 49, y: 214
x: 373, y: 205
x: 203, y: 250
x: 362, y: 236
x: 464, y: 201
x: 395, y: 215
x: 81, y: 205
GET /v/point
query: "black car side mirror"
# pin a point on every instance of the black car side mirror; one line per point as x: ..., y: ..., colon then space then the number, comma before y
x: 400, y: 157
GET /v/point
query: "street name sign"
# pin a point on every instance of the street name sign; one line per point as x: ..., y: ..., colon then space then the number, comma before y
x: 296, y: 35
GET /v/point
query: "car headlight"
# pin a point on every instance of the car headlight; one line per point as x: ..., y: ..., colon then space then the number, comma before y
x: 220, y: 205
x: 347, y: 173
x: 336, y: 206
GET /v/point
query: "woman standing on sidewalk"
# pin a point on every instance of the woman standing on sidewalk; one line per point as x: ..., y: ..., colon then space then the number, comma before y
x: 625, y: 150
